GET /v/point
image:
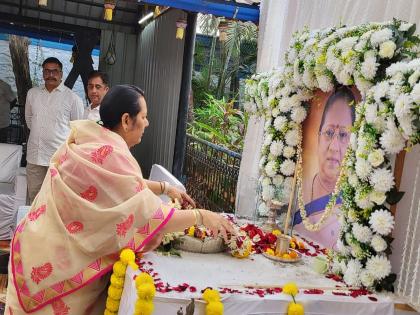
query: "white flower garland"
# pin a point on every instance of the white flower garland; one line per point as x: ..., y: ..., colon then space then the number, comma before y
x: 386, y: 123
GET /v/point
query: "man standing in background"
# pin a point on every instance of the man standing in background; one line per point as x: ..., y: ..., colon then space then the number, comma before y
x: 98, y: 86
x: 7, y: 100
x: 48, y: 112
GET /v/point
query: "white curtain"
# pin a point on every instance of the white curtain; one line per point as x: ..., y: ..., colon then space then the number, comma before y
x: 279, y: 19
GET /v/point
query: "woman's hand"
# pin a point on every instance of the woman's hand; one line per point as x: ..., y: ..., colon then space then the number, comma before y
x: 217, y: 224
x: 183, y: 198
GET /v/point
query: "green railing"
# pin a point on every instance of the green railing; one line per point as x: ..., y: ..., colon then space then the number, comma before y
x: 211, y: 174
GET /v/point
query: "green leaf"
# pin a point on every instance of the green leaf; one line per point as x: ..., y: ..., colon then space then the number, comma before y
x: 394, y: 196
x: 411, y: 30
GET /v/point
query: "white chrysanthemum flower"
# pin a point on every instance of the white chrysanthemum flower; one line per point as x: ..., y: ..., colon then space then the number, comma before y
x: 291, y: 55
x: 371, y: 113
x: 352, y: 273
x: 387, y: 49
x: 414, y: 78
x: 284, y: 104
x: 381, y: 221
x: 362, y: 233
x: 336, y: 267
x: 268, y: 138
x: 415, y: 93
x: 378, y: 266
x: 391, y: 140
x: 276, y: 147
x: 294, y: 101
x: 288, y: 152
x: 380, y: 36
x: 275, y: 112
x: 394, y: 92
x: 250, y: 107
x: 341, y: 248
x: 280, y: 122
x: 292, y: 137
x: 298, y: 114
x: 278, y: 180
x: 367, y: 279
x: 347, y: 43
x: 406, y: 125
x: 343, y: 77
x: 267, y: 193
x: 353, y: 141
x: 378, y: 243
x: 360, y: 46
x: 287, y: 167
x: 263, y: 209
x: 376, y: 157
x: 286, y: 90
x: 325, y: 83
x: 271, y: 168
x: 382, y: 180
x: 353, y: 180
x: 380, y: 91
x: 377, y: 197
x: 362, y: 200
x: 403, y: 105
x: 308, y: 79
x: 404, y: 27
x: 369, y: 65
x: 363, y: 168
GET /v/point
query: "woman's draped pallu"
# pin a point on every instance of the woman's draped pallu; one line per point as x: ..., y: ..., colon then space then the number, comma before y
x: 93, y: 202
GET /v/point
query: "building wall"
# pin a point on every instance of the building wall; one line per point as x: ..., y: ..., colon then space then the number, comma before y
x: 151, y: 60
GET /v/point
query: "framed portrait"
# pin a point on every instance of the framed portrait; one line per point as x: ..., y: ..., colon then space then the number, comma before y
x: 326, y: 136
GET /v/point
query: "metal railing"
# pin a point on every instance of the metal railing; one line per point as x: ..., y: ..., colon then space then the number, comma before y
x: 211, y: 174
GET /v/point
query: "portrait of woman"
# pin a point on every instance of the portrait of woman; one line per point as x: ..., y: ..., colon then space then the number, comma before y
x: 326, y: 136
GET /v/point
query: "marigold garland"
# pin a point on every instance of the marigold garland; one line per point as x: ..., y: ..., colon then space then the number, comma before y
x: 146, y: 291
x: 214, y: 306
x: 115, y: 289
x: 293, y: 308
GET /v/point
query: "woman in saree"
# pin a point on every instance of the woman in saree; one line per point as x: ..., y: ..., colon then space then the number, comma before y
x: 93, y: 202
x: 333, y: 139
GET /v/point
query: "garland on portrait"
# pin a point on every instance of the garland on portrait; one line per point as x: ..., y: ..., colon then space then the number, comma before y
x: 380, y: 60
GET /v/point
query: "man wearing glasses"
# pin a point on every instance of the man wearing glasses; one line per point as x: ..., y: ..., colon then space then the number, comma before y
x: 48, y: 111
x: 96, y: 89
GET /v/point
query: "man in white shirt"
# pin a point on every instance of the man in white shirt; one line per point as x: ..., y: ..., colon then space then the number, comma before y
x: 48, y: 112
x: 97, y: 88
x: 7, y: 99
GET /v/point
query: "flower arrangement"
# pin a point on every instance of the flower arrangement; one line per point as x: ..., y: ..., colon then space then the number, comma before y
x: 214, y: 306
x: 368, y: 56
x: 127, y: 257
x: 146, y: 291
x: 293, y: 308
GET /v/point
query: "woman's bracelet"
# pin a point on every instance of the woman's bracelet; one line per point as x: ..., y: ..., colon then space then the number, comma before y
x: 162, y: 187
x: 166, y: 187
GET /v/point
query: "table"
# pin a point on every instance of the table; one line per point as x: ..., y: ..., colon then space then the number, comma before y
x: 223, y: 271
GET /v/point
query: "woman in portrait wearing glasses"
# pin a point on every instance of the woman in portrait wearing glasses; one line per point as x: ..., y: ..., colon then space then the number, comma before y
x: 333, y: 139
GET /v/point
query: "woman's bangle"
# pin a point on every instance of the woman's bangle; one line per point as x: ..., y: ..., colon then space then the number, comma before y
x: 166, y: 187
x: 161, y: 187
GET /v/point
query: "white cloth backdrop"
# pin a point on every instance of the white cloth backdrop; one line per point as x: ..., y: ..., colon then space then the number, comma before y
x: 278, y: 21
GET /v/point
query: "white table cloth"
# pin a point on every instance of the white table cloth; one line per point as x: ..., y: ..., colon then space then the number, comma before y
x: 223, y: 271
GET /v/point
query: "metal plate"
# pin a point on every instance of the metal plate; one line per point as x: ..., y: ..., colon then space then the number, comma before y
x: 275, y: 258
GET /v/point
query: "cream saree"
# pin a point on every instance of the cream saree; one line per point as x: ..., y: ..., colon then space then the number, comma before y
x: 93, y: 202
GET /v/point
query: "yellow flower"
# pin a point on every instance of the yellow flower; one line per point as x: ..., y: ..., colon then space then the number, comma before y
x: 210, y: 295
x: 114, y: 293
x: 107, y: 312
x: 276, y: 232
x: 290, y: 288
x: 143, y: 307
x: 191, y: 231
x: 144, y: 277
x: 295, y: 309
x: 117, y: 282
x: 112, y: 305
x: 119, y: 269
x: 269, y: 251
x: 146, y: 291
x: 127, y: 256
x: 214, y: 308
